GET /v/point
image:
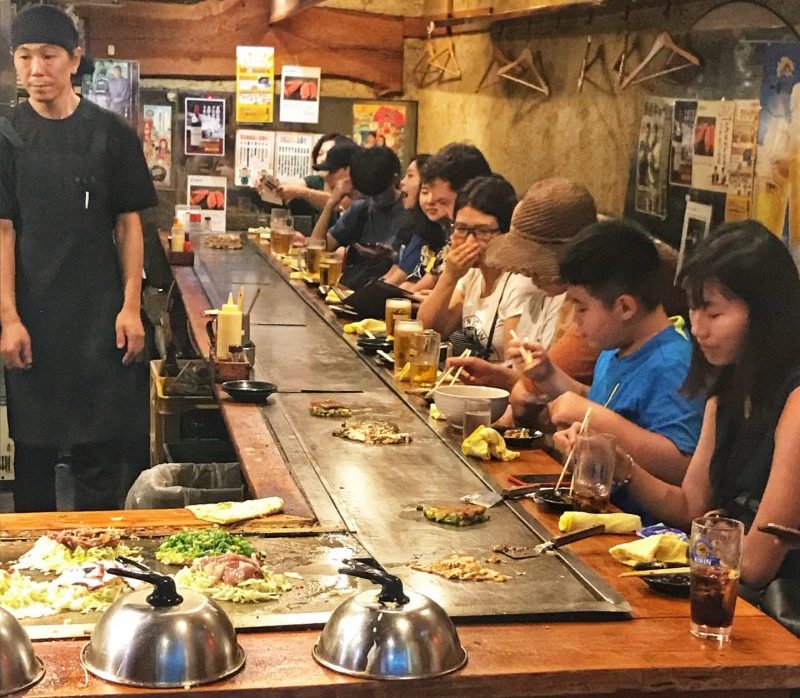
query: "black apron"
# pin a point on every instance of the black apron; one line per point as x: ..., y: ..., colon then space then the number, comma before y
x: 69, y: 291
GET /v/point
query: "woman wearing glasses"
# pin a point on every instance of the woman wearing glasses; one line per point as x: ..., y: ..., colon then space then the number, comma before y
x: 477, y: 306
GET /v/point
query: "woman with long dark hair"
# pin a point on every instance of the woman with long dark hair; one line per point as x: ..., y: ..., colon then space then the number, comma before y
x: 744, y: 294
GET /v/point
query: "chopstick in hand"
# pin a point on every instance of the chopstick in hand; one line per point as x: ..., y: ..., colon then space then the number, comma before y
x: 656, y: 572
x: 464, y: 355
x: 584, y: 424
x: 527, y: 357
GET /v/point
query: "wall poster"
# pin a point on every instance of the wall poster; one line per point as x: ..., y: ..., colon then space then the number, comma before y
x: 680, y: 172
x: 293, y: 154
x: 777, y: 185
x: 210, y: 194
x: 255, y: 84
x: 652, y: 157
x: 713, y: 137
x: 157, y: 143
x: 741, y: 166
x: 300, y: 94
x: 696, y: 224
x: 114, y: 85
x: 375, y: 123
x: 205, y: 126
x: 255, y: 156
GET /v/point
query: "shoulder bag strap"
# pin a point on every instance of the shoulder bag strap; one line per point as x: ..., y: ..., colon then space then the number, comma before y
x: 487, y: 352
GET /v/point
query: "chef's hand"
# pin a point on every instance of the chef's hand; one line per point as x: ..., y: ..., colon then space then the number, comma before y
x: 130, y: 334
x: 567, y: 408
x: 461, y: 257
x: 15, y: 346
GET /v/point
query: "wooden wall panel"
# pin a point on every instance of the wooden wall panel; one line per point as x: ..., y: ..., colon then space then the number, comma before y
x: 200, y: 40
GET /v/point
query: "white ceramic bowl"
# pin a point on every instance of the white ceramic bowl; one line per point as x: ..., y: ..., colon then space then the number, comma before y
x: 450, y: 401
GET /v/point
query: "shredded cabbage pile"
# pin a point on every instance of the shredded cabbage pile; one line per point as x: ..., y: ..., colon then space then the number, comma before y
x: 49, y: 556
x: 26, y: 598
x: 269, y: 588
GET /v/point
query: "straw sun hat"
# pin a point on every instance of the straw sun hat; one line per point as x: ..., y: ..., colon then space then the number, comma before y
x: 551, y: 213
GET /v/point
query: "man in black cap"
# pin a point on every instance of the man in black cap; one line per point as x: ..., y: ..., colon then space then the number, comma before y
x: 370, y: 228
x: 72, y: 181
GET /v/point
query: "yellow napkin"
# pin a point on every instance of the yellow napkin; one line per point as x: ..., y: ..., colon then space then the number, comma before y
x: 374, y: 326
x: 296, y: 276
x: 486, y: 443
x: 332, y: 298
x: 436, y: 413
x: 403, y: 373
x: 666, y: 547
x: 614, y: 523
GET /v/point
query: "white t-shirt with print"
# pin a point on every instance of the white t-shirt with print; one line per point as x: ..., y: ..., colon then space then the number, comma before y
x: 479, y: 311
x: 540, y: 322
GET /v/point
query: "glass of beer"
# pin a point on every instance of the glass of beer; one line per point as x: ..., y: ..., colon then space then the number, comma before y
x: 330, y: 271
x: 403, y: 331
x: 281, y: 241
x: 312, y: 257
x: 396, y: 308
x: 715, y: 559
x: 424, y: 356
x: 594, y: 459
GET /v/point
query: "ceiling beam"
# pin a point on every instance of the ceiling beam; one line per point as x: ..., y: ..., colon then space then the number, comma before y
x: 283, y: 9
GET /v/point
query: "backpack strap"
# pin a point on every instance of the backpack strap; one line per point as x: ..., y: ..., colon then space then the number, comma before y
x: 8, y: 131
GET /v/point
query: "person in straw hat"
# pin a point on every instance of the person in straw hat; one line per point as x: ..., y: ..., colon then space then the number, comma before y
x: 551, y: 213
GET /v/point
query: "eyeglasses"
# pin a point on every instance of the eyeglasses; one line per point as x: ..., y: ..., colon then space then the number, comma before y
x: 480, y: 231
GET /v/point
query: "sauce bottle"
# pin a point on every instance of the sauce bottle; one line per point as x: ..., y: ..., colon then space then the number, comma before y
x: 229, y: 328
x: 178, y: 236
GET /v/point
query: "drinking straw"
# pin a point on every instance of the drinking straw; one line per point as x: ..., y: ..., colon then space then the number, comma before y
x: 584, y: 423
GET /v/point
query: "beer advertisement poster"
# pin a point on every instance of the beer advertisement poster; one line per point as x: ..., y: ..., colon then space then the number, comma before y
x: 777, y: 185
x: 205, y: 126
x: 157, y: 143
x: 300, y: 91
x: 211, y: 195
x: 255, y: 84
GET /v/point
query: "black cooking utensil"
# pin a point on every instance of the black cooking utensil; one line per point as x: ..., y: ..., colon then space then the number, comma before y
x: 525, y: 552
x: 255, y: 392
x: 555, y: 500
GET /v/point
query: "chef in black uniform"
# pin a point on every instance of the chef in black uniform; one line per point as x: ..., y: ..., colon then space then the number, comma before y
x: 72, y: 181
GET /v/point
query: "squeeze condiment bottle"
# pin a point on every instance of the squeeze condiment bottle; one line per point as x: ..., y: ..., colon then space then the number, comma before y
x: 229, y: 328
x: 178, y: 236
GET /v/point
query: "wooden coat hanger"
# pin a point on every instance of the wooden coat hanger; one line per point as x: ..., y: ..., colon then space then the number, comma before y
x: 522, y: 65
x: 498, y: 59
x: 663, y: 42
x: 436, y: 61
x: 588, y: 63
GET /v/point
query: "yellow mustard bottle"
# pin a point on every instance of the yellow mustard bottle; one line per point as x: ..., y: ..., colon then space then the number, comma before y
x: 229, y: 328
x: 177, y: 237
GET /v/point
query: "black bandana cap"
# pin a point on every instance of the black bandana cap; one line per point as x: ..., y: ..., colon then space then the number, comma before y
x: 44, y: 24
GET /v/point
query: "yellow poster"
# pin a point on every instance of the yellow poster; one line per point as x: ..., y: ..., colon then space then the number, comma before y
x: 255, y: 79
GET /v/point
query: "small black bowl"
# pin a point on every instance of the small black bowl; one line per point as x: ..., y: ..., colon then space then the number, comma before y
x: 554, y: 500
x: 669, y: 584
x: 255, y: 392
x: 524, y: 442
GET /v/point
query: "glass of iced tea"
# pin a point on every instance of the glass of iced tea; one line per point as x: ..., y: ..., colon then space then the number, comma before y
x: 715, y: 559
x: 396, y: 308
x: 425, y: 357
x: 594, y: 459
x: 403, y: 331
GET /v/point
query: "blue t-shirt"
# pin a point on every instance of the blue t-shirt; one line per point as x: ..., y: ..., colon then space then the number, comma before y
x: 649, y: 388
x: 410, y: 254
x: 369, y: 224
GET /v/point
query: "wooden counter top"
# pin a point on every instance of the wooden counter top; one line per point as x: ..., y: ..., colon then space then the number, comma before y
x: 651, y: 654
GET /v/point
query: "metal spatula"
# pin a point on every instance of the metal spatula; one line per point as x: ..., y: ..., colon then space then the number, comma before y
x: 523, y: 553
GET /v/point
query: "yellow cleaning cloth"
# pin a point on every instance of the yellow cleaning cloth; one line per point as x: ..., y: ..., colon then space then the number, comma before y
x: 666, y: 547
x: 614, y: 523
x: 296, y: 275
x: 486, y: 443
x: 374, y: 326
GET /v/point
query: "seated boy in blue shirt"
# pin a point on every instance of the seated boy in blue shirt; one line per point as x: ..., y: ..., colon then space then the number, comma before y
x: 612, y: 271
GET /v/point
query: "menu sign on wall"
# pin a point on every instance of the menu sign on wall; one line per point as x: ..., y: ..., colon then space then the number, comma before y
x: 300, y: 94
x: 255, y: 78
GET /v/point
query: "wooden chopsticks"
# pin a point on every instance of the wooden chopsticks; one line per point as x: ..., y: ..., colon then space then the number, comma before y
x: 584, y: 424
x: 657, y: 572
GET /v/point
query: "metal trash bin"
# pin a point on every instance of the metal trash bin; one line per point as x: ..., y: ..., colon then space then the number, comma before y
x: 174, y: 485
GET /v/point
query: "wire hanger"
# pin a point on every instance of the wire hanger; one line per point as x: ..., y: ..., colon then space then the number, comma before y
x: 436, y: 62
x: 523, y: 65
x: 663, y: 42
